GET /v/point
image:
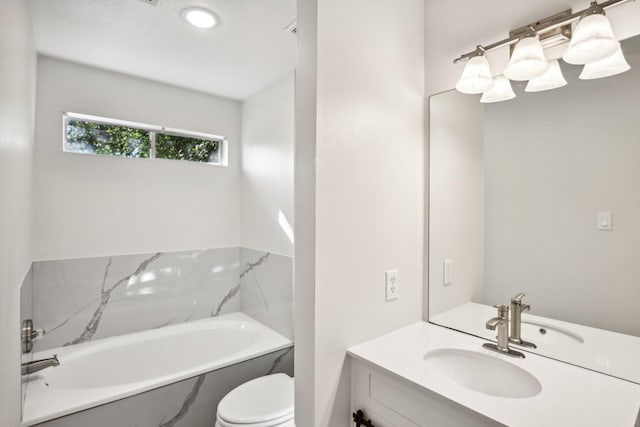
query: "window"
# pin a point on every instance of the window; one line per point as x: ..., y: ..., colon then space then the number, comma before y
x: 98, y: 135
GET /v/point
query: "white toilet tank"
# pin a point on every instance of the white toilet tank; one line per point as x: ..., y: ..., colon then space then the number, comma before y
x: 263, y: 402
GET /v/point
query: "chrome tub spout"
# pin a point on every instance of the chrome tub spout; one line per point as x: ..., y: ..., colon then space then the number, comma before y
x: 38, y: 365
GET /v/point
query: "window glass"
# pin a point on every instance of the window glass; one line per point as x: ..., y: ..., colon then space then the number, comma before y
x: 187, y: 148
x: 108, y: 139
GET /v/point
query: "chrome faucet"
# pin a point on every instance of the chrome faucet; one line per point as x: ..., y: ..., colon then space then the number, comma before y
x: 516, y: 321
x: 501, y: 323
x: 38, y: 365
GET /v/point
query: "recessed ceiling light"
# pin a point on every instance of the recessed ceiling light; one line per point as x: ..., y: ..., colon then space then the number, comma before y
x: 199, y: 17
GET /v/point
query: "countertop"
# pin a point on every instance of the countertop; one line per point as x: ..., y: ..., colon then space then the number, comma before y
x: 570, y: 396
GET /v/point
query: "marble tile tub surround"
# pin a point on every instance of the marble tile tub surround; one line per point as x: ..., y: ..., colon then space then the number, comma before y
x: 189, y: 403
x: 79, y: 300
x: 266, y: 289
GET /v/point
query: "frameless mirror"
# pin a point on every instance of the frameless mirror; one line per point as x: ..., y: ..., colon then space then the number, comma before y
x: 539, y: 195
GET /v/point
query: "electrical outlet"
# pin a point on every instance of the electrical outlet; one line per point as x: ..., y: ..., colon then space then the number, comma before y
x: 391, y: 285
x: 447, y: 272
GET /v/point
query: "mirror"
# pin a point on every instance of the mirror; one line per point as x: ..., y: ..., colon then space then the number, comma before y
x: 539, y: 195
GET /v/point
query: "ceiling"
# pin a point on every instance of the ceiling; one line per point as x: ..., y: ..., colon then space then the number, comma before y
x: 246, y: 52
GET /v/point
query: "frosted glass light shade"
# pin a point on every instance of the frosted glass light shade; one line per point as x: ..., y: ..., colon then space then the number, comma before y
x: 527, y: 61
x: 552, y: 79
x: 501, y: 91
x: 615, y: 64
x: 476, y: 76
x: 592, y: 41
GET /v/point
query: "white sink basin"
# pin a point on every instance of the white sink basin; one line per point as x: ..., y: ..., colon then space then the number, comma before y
x: 482, y: 373
x: 547, y: 333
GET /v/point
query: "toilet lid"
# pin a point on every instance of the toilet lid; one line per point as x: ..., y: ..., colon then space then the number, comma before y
x: 263, y: 399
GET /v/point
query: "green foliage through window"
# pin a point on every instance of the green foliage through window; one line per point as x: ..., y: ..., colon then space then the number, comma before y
x: 94, y: 137
x: 186, y: 148
x: 97, y: 138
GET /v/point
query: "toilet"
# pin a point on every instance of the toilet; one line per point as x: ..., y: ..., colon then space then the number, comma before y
x: 263, y: 402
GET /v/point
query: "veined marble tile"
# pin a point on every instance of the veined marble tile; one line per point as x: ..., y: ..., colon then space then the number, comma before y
x: 188, y: 403
x: 82, y: 299
x: 26, y: 296
x: 266, y: 289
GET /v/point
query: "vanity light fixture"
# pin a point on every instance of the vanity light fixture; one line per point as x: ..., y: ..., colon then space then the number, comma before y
x: 593, y: 40
x: 501, y: 91
x: 527, y: 60
x: 615, y: 64
x: 476, y: 76
x: 552, y: 79
x: 199, y: 17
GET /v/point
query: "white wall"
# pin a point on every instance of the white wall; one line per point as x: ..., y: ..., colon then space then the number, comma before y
x: 549, y: 171
x: 267, y: 169
x: 100, y: 205
x: 304, y: 307
x: 17, y: 92
x: 456, y: 216
x: 368, y: 187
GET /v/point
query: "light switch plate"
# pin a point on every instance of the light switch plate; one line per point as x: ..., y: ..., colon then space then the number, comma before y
x: 447, y: 272
x: 604, y: 221
x: 391, y: 285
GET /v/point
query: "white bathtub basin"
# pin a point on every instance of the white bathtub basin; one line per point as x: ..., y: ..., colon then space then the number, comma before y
x: 142, y: 357
x: 486, y: 374
x: 105, y: 370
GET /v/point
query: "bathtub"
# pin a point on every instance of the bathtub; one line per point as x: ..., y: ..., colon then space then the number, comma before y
x: 110, y: 369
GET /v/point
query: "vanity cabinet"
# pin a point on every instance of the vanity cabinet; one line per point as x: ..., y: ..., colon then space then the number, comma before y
x: 392, y: 402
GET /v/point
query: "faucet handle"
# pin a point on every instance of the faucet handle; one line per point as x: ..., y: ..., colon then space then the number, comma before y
x: 503, y: 310
x: 518, y: 298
